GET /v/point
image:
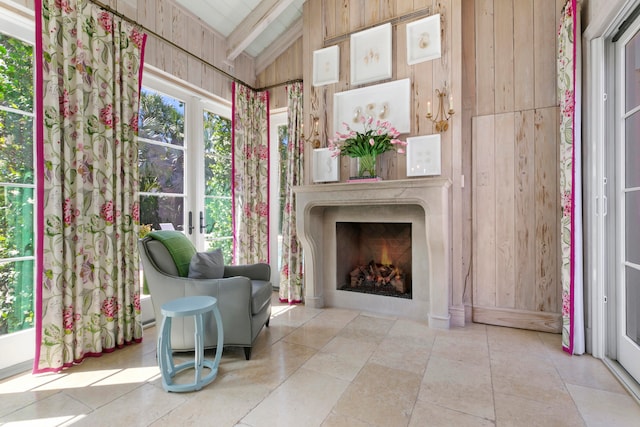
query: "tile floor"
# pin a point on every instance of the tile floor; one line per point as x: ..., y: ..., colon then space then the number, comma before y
x: 339, y: 368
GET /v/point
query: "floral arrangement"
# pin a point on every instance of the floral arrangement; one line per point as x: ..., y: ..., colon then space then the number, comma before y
x: 367, y: 144
x: 144, y: 230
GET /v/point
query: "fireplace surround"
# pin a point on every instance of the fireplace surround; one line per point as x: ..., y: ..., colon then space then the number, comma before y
x: 422, y: 202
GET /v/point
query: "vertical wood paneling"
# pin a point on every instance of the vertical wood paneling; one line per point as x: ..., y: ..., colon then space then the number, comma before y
x: 342, y: 17
x: 485, y: 65
x: 356, y: 14
x: 484, y: 219
x: 328, y: 17
x: 525, y: 210
x: 146, y: 14
x: 544, y: 22
x: 504, y: 77
x: 546, y: 194
x: 523, y: 54
x: 505, y: 210
x: 404, y: 6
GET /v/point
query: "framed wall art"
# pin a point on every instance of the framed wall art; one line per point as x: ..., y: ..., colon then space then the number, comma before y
x: 423, y: 155
x: 387, y: 101
x: 325, y: 166
x: 371, y: 55
x: 424, y: 40
x: 326, y: 65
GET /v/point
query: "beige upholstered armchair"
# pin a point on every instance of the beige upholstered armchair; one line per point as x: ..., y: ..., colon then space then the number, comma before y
x: 243, y: 292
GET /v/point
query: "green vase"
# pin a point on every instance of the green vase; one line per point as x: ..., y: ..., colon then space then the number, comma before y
x: 367, y: 166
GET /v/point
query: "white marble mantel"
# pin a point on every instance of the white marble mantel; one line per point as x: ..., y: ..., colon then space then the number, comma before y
x: 317, y: 207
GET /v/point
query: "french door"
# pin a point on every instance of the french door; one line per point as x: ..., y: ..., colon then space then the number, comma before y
x: 17, y: 193
x: 185, y: 166
x: 627, y: 203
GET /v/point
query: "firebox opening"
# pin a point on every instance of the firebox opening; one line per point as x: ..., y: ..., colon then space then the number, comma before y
x: 374, y: 258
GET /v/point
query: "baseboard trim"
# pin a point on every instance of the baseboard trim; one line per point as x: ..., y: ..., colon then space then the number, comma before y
x: 521, y: 319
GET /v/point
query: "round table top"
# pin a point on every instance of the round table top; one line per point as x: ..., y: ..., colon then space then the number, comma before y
x: 188, y: 306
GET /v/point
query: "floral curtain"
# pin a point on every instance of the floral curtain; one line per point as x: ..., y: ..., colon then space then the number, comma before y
x: 291, y: 272
x: 250, y: 175
x: 90, y: 65
x: 569, y: 95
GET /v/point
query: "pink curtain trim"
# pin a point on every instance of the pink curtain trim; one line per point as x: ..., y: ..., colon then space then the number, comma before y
x: 268, y: 178
x: 86, y: 356
x: 142, y: 48
x: 233, y: 171
x: 291, y: 302
x: 573, y: 196
x: 39, y: 182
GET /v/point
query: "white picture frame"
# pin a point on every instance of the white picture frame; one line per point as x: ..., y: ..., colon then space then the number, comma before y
x: 387, y: 101
x: 423, y: 155
x: 371, y: 55
x: 325, y: 165
x: 326, y: 66
x: 424, y: 40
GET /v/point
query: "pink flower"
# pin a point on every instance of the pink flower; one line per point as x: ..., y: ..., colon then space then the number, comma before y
x: 106, y: 116
x: 263, y: 209
x: 105, y: 21
x: 136, y: 37
x: 400, y: 150
x: 67, y: 211
x: 109, y: 308
x: 136, y: 302
x: 106, y: 212
x: 67, y: 319
x: 372, y: 142
x: 566, y: 303
x: 135, y: 212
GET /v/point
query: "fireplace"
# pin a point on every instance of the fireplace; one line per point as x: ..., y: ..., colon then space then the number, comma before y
x: 421, y: 203
x: 374, y: 258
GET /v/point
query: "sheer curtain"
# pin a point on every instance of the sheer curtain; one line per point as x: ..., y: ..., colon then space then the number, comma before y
x: 250, y: 175
x: 90, y: 65
x: 292, y: 270
x: 569, y: 95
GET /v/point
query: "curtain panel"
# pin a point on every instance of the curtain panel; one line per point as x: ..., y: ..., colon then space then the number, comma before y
x: 90, y: 65
x: 569, y: 96
x: 250, y: 152
x: 291, y: 272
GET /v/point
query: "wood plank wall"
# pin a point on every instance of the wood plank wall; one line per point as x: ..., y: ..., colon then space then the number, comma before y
x: 514, y: 117
x: 286, y: 67
x: 329, y: 22
x: 168, y: 19
x: 335, y: 18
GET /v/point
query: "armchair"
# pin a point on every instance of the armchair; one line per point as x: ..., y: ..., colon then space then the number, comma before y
x: 244, y: 293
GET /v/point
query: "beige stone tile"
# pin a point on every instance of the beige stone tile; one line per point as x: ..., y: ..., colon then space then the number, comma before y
x: 523, y: 366
x: 18, y: 391
x: 222, y: 403
x: 140, y: 407
x: 335, y: 365
x: 305, y: 399
x: 402, y: 353
x: 605, y: 408
x: 367, y: 328
x: 515, y: 341
x: 335, y: 420
x: 460, y: 386
x: 416, y: 331
x: 380, y: 396
x: 335, y: 317
x: 428, y: 414
x: 462, y: 348
x: 50, y: 411
x: 517, y: 411
x: 586, y: 371
x: 312, y: 335
x: 359, y: 350
x: 292, y: 315
x: 268, y: 368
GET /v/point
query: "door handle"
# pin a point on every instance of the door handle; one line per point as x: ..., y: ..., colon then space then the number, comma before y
x: 203, y: 226
x: 191, y: 227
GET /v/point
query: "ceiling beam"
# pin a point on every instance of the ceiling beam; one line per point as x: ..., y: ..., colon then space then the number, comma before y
x: 275, y: 49
x: 253, y: 25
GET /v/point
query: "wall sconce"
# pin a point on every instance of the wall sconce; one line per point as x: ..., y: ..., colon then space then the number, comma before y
x: 442, y: 118
x: 314, y: 139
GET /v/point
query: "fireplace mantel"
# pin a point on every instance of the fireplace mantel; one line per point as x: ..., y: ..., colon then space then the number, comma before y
x: 317, y: 204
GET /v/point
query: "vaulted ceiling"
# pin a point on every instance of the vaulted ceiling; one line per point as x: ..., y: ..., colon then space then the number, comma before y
x: 260, y: 28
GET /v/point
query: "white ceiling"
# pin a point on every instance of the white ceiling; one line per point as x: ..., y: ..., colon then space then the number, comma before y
x: 250, y: 26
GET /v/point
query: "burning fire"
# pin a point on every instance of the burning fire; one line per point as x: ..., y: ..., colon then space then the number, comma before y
x: 384, y: 258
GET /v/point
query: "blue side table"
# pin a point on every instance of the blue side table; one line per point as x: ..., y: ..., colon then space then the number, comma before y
x: 196, y: 306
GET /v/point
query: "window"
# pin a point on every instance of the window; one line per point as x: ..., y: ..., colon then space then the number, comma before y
x: 17, y: 184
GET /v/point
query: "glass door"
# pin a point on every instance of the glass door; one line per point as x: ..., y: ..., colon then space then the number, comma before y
x: 17, y: 193
x: 628, y: 201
